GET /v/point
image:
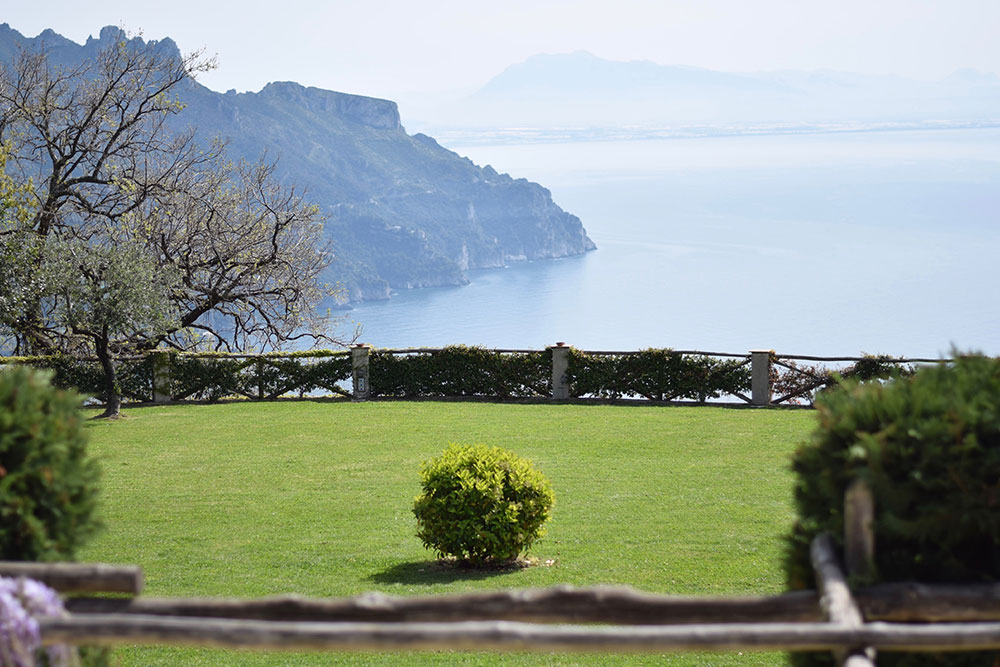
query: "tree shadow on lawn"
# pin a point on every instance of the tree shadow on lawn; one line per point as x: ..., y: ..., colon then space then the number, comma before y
x: 431, y: 572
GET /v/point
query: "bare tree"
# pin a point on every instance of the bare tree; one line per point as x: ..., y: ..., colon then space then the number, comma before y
x: 250, y: 253
x: 89, y: 133
x: 92, y: 139
x: 121, y: 204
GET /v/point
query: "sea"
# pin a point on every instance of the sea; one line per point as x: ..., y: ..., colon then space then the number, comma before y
x: 830, y: 243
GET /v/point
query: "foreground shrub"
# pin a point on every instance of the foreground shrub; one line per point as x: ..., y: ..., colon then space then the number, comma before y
x: 929, y: 447
x: 482, y: 505
x: 48, y: 485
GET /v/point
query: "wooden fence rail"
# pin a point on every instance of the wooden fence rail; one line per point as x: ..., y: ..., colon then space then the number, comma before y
x: 496, y: 620
x: 894, y: 602
x: 833, y: 618
x: 109, y: 629
x: 78, y: 577
x: 560, y: 604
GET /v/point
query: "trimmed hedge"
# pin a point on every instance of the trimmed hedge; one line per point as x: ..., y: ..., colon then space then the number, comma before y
x: 262, y: 377
x: 928, y: 445
x: 460, y: 370
x: 656, y: 374
x: 457, y: 370
x: 206, y: 377
x: 135, y: 377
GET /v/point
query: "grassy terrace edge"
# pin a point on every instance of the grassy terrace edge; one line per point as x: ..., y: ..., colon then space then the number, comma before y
x: 314, y: 497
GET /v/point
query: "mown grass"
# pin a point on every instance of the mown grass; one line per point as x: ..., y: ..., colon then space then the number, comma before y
x: 254, y: 499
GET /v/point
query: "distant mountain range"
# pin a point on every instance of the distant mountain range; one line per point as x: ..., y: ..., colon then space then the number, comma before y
x: 580, y: 89
x: 403, y: 211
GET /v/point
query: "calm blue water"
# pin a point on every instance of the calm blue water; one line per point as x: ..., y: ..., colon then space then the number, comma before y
x: 880, y: 242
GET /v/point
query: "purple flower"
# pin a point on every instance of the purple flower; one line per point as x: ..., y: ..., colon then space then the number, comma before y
x: 22, y: 601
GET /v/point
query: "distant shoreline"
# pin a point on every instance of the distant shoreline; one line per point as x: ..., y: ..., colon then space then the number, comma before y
x: 474, y: 136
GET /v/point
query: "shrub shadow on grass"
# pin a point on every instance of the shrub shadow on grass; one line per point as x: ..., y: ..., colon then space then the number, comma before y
x: 431, y: 572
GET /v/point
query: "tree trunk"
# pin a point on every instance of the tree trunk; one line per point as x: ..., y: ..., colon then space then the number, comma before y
x: 113, y: 399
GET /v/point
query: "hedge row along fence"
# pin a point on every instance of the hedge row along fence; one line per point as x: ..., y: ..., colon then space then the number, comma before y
x: 457, y: 371
x: 161, y: 377
x: 560, y: 372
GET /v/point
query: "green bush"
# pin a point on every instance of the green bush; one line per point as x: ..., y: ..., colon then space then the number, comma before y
x: 460, y: 370
x: 277, y: 376
x: 655, y: 374
x: 929, y: 447
x: 482, y: 505
x: 48, y: 484
x: 135, y: 376
x: 206, y: 379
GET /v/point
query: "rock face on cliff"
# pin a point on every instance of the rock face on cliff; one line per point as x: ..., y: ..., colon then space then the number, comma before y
x: 403, y: 211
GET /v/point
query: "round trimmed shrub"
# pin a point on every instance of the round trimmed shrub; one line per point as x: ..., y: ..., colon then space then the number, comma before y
x: 48, y: 485
x: 928, y: 445
x: 481, y: 505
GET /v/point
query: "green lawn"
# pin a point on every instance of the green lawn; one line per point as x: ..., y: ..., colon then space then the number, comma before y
x: 254, y: 499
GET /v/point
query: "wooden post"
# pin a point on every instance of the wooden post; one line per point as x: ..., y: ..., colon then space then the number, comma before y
x: 359, y: 371
x: 859, y: 531
x: 836, y: 600
x: 161, y: 376
x: 560, y: 364
x: 859, y: 549
x: 760, y: 377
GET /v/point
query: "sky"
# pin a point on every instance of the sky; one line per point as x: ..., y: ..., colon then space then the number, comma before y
x: 396, y: 48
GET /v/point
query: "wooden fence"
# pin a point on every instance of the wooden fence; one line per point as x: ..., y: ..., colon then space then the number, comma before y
x: 853, y: 625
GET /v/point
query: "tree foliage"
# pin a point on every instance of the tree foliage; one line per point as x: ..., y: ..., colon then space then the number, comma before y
x: 97, y: 295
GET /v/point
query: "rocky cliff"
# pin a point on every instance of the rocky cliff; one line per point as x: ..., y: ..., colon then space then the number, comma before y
x: 403, y: 211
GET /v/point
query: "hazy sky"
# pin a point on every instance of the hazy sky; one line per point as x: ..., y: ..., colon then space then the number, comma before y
x: 388, y: 48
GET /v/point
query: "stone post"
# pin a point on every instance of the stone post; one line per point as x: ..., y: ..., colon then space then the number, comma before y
x: 760, y: 377
x: 259, y: 368
x: 560, y: 364
x: 161, y: 377
x: 359, y: 371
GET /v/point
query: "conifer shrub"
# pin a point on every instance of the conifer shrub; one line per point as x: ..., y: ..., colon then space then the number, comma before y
x: 48, y: 484
x: 481, y: 505
x: 928, y: 445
